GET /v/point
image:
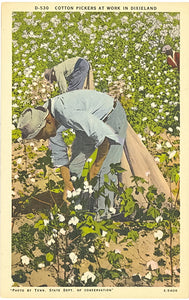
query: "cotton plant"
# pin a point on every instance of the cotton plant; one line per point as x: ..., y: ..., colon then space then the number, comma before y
x: 58, y: 228
x: 82, y: 191
x: 167, y: 156
x: 73, y: 235
x: 60, y: 239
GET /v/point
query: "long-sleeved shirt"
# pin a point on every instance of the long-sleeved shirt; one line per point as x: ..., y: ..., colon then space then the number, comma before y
x: 84, y: 112
x: 63, y: 71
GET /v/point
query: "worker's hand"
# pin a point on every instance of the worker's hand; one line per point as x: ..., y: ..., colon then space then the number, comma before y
x: 68, y: 185
x: 101, y: 155
x: 93, y: 171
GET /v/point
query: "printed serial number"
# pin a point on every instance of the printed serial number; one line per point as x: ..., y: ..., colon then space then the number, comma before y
x: 41, y: 7
x: 171, y: 290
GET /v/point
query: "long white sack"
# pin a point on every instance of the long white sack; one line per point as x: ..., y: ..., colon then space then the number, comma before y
x: 137, y: 161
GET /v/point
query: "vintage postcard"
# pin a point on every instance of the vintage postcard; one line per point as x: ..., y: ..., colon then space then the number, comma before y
x: 94, y: 149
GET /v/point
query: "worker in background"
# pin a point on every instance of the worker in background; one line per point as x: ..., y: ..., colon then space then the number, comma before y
x: 72, y: 74
x: 173, y: 57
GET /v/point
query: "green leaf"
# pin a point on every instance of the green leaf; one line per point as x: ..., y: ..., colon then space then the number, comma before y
x: 116, y: 168
x: 111, y: 187
x: 133, y: 235
x: 150, y: 225
x: 19, y: 276
x: 112, y: 235
x: 49, y: 256
x: 150, y: 196
x: 86, y: 230
x: 161, y: 262
x: 160, y: 199
x: 137, y: 179
x: 129, y: 244
x: 106, y: 178
x: 153, y: 212
x: 174, y: 229
x: 158, y: 252
x: 128, y: 191
x: 152, y: 189
x: 40, y: 225
x: 175, y: 250
x: 16, y: 133
x: 114, y: 258
x: 129, y: 207
x: 30, y: 216
x: 140, y: 189
x: 57, y: 191
x: 43, y: 216
x: 114, y: 274
x: 163, y: 158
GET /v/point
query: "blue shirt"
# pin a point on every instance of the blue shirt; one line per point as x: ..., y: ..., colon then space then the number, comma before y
x: 84, y: 112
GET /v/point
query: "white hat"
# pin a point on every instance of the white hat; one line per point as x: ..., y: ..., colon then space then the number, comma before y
x: 166, y: 48
x: 31, y: 121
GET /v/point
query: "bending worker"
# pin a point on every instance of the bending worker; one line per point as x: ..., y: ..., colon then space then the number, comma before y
x: 76, y: 71
x: 173, y: 58
x: 98, y: 121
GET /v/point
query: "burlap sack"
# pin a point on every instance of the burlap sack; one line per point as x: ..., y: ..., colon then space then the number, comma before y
x: 137, y: 160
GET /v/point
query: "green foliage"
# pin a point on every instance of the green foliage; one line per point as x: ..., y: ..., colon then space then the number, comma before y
x: 111, y: 187
x: 161, y: 262
x: 30, y: 216
x: 152, y: 211
x: 127, y: 202
x: 113, y: 274
x: 148, y: 78
x: 176, y: 250
x: 43, y: 162
x: 39, y: 225
x: 19, y: 276
x: 174, y: 173
x: 24, y: 240
x: 49, y: 257
x: 42, y: 148
x: 68, y: 136
x: 116, y: 168
x: 158, y: 252
x: 52, y: 232
x: 16, y: 133
x: 114, y: 258
x: 56, y: 187
x: 23, y: 175
x: 133, y: 235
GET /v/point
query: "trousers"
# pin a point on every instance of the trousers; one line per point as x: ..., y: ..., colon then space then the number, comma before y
x: 83, y: 147
x: 77, y: 77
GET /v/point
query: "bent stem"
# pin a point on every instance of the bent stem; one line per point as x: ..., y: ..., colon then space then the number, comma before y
x: 99, y: 266
x: 52, y: 197
x: 65, y: 258
x: 178, y: 191
x: 41, y: 201
x: 57, y: 256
